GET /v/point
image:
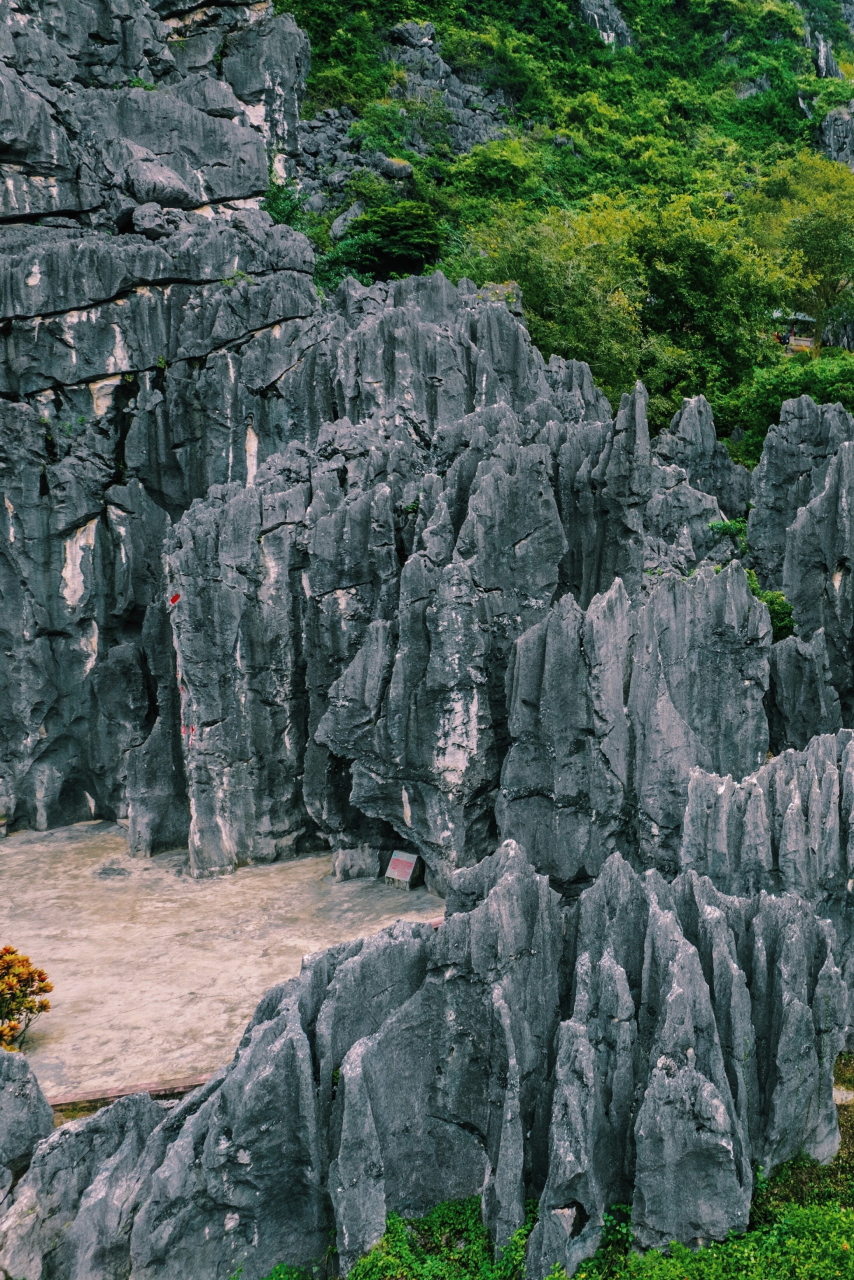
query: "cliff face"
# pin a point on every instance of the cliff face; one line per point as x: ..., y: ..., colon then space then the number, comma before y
x: 278, y: 572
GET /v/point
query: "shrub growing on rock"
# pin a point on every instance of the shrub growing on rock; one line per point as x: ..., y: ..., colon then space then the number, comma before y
x: 396, y: 239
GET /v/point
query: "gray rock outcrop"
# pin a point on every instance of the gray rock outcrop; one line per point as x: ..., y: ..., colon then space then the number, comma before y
x: 662, y: 1093
x: 837, y: 135
x: 826, y: 66
x: 421, y: 1065
x: 786, y: 825
x: 25, y: 1118
x: 691, y: 443
x: 610, y: 711
x: 606, y: 19
x: 149, y: 143
x: 281, y: 574
x: 802, y: 701
x: 792, y: 470
x: 817, y: 571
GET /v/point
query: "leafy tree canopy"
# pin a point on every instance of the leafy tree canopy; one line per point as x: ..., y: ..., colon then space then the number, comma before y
x: 663, y: 207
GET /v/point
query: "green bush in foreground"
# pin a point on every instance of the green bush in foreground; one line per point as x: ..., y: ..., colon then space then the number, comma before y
x: 806, y: 1243
x: 450, y: 1243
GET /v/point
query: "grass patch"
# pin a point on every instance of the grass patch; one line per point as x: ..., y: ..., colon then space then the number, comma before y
x: 843, y: 1074
x: 449, y: 1243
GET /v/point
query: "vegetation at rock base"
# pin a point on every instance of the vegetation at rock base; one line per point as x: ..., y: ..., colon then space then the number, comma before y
x: 22, y: 991
x: 662, y: 206
x: 843, y: 1074
x: 802, y: 1228
x: 756, y: 404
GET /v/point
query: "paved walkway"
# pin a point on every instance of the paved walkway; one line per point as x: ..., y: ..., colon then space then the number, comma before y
x: 156, y: 974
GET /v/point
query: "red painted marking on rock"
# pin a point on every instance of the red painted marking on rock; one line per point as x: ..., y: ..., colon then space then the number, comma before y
x: 175, y: 598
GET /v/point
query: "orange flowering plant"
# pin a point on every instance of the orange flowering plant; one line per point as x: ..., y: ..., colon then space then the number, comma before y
x: 22, y: 988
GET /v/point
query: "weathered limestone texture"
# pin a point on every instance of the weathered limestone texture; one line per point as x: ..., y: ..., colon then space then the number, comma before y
x: 691, y: 443
x: 663, y: 1089
x: 507, y: 1025
x: 792, y: 470
x: 837, y: 135
x: 25, y: 1118
x: 817, y: 571
x: 605, y: 17
x: 155, y: 266
x: 610, y: 711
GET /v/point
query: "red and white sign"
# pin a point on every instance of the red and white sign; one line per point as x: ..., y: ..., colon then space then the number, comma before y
x: 403, y: 870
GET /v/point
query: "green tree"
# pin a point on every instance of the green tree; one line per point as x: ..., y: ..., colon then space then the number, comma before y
x: 711, y: 296
x: 822, y: 239
x: 582, y: 285
x: 396, y: 239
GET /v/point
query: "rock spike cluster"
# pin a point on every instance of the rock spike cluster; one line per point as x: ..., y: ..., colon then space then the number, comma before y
x: 646, y: 1039
x: 282, y: 575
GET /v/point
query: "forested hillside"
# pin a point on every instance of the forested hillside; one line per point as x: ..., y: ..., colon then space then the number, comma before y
x: 665, y: 205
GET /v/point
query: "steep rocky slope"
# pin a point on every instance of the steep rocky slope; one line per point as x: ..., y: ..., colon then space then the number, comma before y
x: 280, y: 573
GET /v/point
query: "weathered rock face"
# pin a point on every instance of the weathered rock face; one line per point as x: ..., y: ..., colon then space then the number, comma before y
x: 63, y: 1219
x: 662, y: 1091
x: 81, y: 134
x: 418, y: 1065
x: 792, y: 470
x: 786, y: 825
x: 25, y: 1118
x: 610, y: 710
x: 605, y: 17
x: 817, y: 571
x: 691, y: 443
x: 121, y: 323
x: 837, y: 135
x: 475, y: 116
x: 372, y: 572
x: 802, y: 700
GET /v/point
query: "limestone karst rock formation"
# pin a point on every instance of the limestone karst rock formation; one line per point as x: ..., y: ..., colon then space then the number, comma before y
x: 610, y: 710
x: 281, y: 574
x: 420, y: 1064
x: 25, y: 1117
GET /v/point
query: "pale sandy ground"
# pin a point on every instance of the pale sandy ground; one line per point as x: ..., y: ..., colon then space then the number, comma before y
x: 156, y: 974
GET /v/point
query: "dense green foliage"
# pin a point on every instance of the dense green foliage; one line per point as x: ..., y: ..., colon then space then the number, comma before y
x: 682, y: 213
x: 804, y: 1243
x: 755, y: 404
x: 782, y: 620
x: 450, y: 1243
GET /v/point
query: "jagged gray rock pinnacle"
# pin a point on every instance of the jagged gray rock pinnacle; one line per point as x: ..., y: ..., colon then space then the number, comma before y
x: 25, y: 1118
